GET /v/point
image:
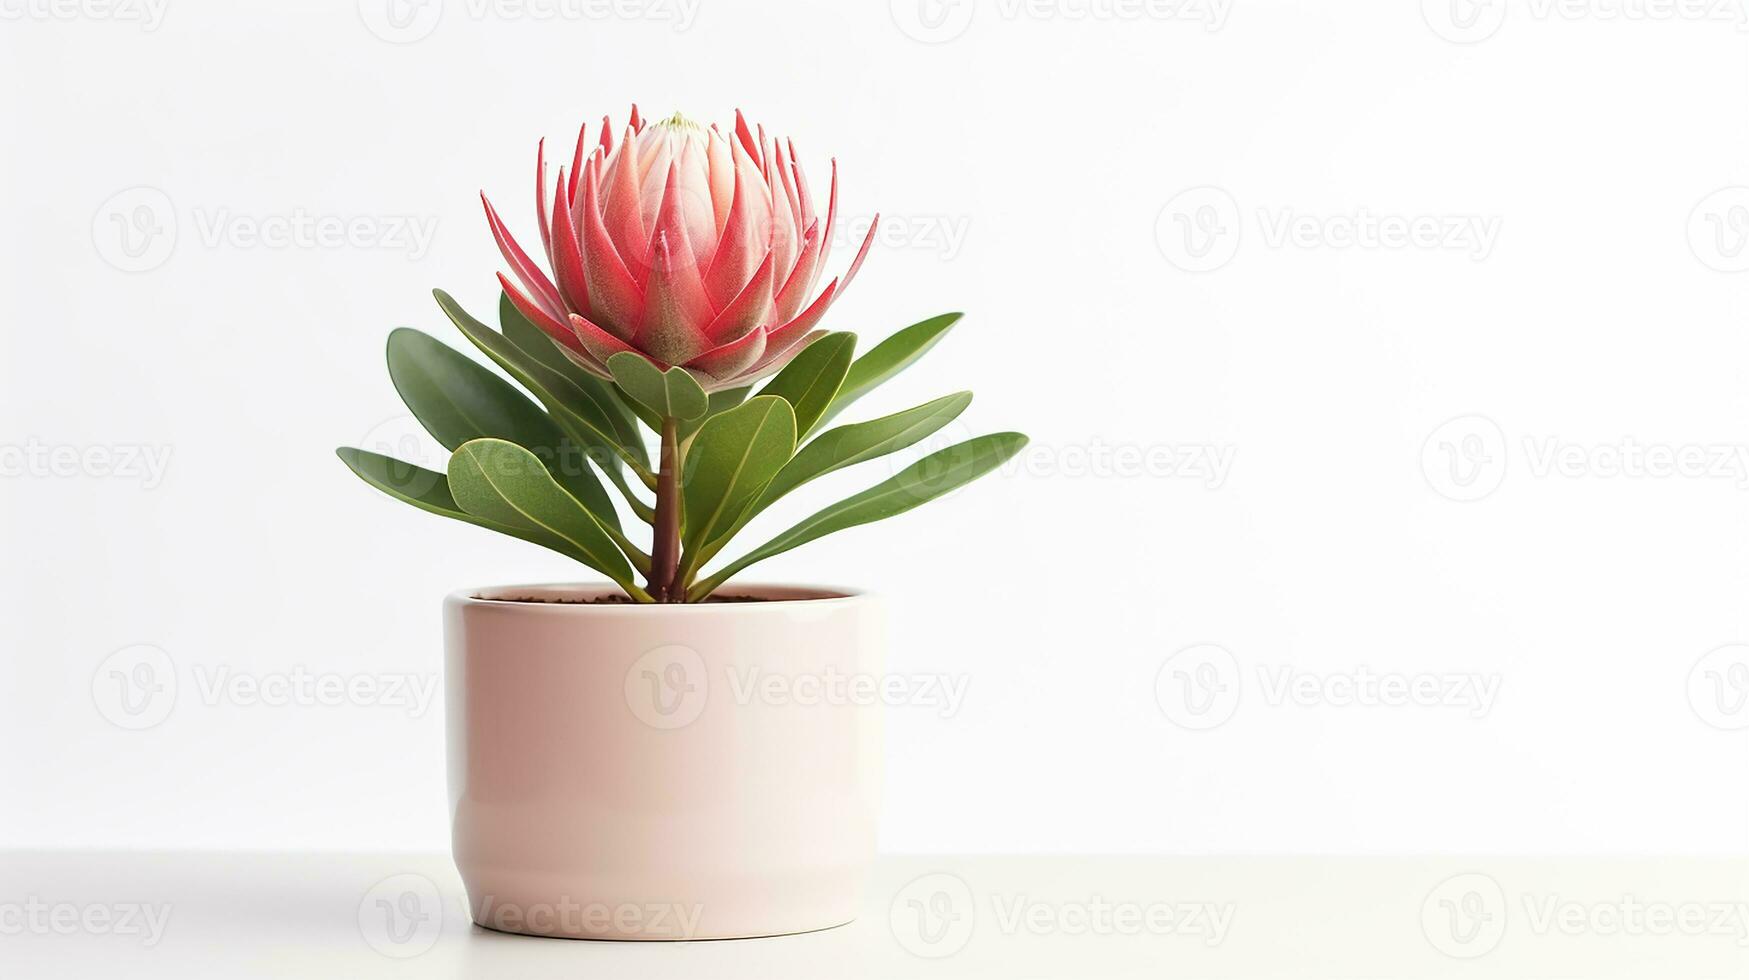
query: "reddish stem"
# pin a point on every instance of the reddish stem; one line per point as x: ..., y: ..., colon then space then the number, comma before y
x: 665, y: 549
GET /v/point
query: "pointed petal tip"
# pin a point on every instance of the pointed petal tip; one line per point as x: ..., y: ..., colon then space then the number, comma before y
x: 861, y: 253
x: 536, y: 315
x: 729, y: 359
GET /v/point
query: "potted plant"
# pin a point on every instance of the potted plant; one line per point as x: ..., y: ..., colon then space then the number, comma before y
x: 609, y: 777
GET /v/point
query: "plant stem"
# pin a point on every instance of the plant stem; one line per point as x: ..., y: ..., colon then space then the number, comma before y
x: 665, y: 549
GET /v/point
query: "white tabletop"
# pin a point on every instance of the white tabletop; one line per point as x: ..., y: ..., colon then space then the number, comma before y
x: 190, y: 916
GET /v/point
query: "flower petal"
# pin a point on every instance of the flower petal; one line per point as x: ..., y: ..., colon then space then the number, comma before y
x: 861, y: 253
x: 687, y: 216
x: 675, y: 308
x: 587, y: 363
x: 745, y: 135
x: 831, y: 226
x: 781, y: 340
x: 606, y: 134
x: 655, y: 153
x: 675, y: 226
x: 801, y: 279
x: 772, y: 361
x: 731, y: 358
x: 577, y: 160
x: 548, y: 324
x: 540, y: 200
x: 804, y: 196
x: 568, y: 251
x: 721, y: 160
x: 600, y: 344
x: 616, y: 298
x: 785, y: 171
x: 623, y: 216
x: 785, y: 240
x: 746, y: 237
x: 533, y: 279
x: 748, y: 311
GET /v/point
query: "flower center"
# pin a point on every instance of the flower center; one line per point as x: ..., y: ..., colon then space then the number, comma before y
x: 678, y: 121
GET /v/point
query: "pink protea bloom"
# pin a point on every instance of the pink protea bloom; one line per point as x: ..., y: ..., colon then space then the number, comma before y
x: 682, y: 244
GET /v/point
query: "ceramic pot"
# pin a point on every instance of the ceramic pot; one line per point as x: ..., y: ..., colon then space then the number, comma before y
x: 660, y: 772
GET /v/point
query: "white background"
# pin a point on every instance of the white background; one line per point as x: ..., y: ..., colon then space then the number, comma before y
x: 1606, y: 311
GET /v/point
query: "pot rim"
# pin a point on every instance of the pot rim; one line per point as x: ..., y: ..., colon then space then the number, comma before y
x: 814, y: 596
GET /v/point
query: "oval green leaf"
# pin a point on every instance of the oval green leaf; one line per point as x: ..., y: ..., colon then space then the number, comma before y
x: 670, y: 394
x: 502, y: 482
x: 888, y: 358
x: 917, y: 484
x: 848, y: 445
x: 812, y: 380
x: 582, y: 404
x: 720, y: 401
x: 593, y: 396
x: 429, y: 491
x: 459, y: 400
x: 734, y: 456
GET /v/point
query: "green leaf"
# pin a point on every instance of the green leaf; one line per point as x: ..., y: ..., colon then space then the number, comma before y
x: 502, y: 482
x: 735, y: 455
x: 812, y: 380
x: 458, y: 400
x: 919, y: 483
x: 720, y: 401
x: 586, y: 411
x: 848, y: 445
x: 670, y: 394
x: 425, y: 489
x: 429, y: 491
x: 597, y: 392
x: 888, y: 358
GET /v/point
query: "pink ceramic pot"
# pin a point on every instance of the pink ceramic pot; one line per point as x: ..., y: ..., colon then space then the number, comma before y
x: 663, y: 772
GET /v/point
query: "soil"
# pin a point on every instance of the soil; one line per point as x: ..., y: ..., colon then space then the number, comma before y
x: 616, y: 600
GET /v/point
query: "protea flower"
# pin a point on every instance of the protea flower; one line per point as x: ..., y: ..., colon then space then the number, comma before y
x: 682, y: 244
